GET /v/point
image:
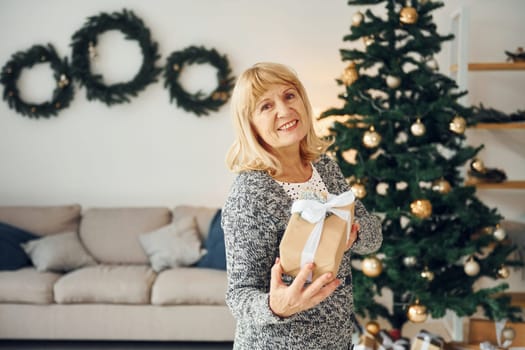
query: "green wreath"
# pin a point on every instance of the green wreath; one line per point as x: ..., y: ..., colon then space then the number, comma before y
x: 198, y: 103
x: 62, y: 95
x: 84, y: 42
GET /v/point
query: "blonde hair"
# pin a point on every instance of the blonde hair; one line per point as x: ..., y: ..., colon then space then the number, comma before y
x: 247, y: 153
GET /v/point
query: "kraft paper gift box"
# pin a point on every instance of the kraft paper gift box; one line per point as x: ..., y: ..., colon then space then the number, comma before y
x: 367, y: 342
x: 427, y: 341
x: 313, y: 236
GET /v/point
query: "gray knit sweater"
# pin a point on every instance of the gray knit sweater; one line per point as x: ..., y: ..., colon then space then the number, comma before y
x: 254, y: 218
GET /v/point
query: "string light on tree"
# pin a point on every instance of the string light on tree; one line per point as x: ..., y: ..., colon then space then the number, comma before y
x: 409, y: 261
x: 427, y: 274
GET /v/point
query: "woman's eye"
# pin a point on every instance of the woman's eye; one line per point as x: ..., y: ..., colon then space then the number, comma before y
x: 290, y: 95
x: 265, y: 107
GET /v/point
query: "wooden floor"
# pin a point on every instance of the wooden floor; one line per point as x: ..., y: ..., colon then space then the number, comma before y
x: 108, y: 345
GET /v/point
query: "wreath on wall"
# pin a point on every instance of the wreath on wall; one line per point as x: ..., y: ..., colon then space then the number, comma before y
x: 199, y: 102
x: 84, y: 43
x: 62, y: 94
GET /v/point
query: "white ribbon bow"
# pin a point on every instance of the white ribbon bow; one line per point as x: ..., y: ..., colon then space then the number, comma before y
x: 315, y: 212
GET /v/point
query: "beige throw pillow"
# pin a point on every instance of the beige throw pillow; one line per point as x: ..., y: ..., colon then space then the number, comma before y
x: 177, y: 244
x: 60, y: 253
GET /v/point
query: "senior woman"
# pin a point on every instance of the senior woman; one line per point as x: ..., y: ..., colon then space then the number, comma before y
x: 277, y: 156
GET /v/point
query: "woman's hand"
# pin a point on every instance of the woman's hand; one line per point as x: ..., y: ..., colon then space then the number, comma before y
x: 288, y: 300
x: 353, y: 236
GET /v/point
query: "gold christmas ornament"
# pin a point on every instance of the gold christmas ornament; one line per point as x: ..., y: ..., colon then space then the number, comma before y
x: 357, y: 19
x: 471, y: 267
x: 371, y: 138
x: 417, y: 313
x: 350, y: 156
x: 418, y: 128
x: 499, y: 233
x: 408, y: 15
x: 458, y: 125
x: 393, y: 81
x: 503, y: 272
x: 508, y: 333
x: 368, y: 40
x: 422, y: 208
x: 350, y: 74
x: 427, y: 274
x: 372, y: 266
x: 382, y: 188
x: 373, y: 328
x: 442, y: 186
x: 359, y: 190
x: 478, y: 165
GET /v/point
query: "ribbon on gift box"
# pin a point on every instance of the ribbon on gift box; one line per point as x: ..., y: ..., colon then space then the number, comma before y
x: 428, y: 338
x: 387, y: 343
x: 315, y: 212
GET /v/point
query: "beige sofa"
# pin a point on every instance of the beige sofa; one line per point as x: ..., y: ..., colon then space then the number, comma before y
x: 117, y: 296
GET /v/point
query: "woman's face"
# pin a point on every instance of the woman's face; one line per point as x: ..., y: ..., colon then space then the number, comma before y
x: 280, y: 117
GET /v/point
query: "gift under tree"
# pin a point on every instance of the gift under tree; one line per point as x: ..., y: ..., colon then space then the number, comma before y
x: 399, y: 139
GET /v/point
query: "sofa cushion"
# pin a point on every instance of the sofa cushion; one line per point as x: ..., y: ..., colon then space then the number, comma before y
x: 61, y: 252
x: 215, y: 257
x: 110, y: 235
x: 27, y: 285
x: 174, y: 245
x: 42, y: 220
x: 190, y: 286
x: 106, y: 284
x: 203, y: 216
x: 12, y: 256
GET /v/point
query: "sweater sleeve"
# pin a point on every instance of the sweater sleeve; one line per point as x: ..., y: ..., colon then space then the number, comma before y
x: 251, y: 238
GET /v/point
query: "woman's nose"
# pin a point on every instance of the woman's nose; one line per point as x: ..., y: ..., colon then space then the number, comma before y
x: 282, y: 109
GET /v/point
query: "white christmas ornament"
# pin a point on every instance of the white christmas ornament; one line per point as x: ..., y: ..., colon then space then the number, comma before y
x: 357, y: 19
x: 499, y: 234
x: 393, y: 81
x: 471, y: 267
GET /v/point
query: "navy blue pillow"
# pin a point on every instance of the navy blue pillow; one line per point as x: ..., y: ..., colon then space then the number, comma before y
x: 12, y: 256
x: 215, y: 258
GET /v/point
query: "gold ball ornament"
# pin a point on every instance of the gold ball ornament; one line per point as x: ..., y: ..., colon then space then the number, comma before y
x: 478, y: 165
x: 417, y: 313
x: 368, y: 40
x: 392, y: 81
x: 408, y: 15
x: 458, y: 125
x: 471, y: 267
x: 422, y: 208
x: 442, y: 186
x: 350, y: 75
x: 372, y: 266
x: 418, y: 128
x: 371, y: 138
x: 359, y: 190
x: 357, y: 19
x: 503, y: 272
x: 409, y: 261
x: 499, y: 233
x: 373, y: 328
x: 508, y: 333
x: 427, y: 274
x: 382, y: 188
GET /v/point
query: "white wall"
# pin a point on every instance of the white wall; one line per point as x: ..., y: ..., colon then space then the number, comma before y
x: 150, y: 152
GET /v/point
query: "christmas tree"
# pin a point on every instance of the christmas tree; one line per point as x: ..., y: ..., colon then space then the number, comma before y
x: 399, y: 139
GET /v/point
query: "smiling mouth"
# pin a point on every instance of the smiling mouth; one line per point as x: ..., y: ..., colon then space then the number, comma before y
x: 288, y: 125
